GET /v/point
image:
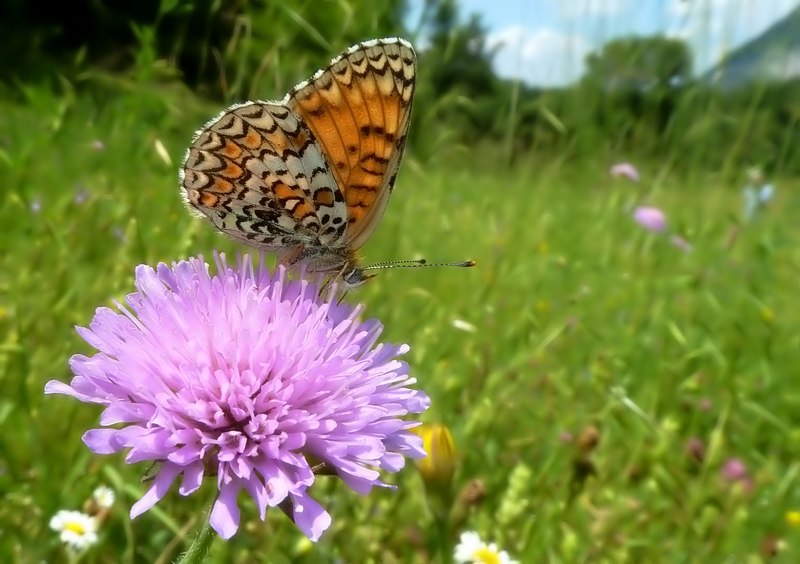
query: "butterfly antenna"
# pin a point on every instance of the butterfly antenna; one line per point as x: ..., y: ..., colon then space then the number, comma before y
x: 415, y: 263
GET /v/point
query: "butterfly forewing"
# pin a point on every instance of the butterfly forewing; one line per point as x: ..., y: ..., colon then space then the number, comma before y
x: 358, y: 109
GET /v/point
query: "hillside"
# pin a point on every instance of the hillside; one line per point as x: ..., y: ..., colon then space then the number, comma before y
x: 772, y: 56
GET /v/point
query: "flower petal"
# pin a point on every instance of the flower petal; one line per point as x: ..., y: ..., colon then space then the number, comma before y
x: 102, y: 441
x: 225, y: 513
x: 161, y: 484
x: 310, y: 516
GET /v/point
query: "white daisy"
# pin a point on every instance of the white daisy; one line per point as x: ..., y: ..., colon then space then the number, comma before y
x: 104, y: 497
x: 78, y: 530
x: 472, y: 550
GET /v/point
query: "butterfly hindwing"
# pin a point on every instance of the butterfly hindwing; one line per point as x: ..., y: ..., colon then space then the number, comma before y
x: 257, y: 172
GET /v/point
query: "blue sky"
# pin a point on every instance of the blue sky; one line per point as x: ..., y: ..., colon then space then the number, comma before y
x: 544, y: 42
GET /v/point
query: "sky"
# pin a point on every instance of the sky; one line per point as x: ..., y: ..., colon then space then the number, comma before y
x: 544, y: 42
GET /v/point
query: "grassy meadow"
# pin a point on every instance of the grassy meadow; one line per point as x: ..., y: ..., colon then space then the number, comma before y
x: 596, y: 378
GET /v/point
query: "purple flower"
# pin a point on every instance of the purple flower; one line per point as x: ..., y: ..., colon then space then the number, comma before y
x: 652, y: 219
x: 245, y: 375
x: 696, y: 449
x: 626, y: 170
x: 734, y: 470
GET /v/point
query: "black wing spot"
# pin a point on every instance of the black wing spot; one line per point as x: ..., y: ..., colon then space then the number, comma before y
x: 266, y: 214
x: 372, y: 157
x: 363, y: 187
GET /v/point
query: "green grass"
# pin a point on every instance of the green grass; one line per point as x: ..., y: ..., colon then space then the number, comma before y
x: 582, y: 320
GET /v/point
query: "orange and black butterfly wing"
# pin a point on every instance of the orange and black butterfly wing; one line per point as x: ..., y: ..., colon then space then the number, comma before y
x: 259, y: 175
x: 358, y: 109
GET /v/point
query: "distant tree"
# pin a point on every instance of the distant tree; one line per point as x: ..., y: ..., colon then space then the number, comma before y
x: 457, y: 84
x: 637, y: 83
x: 458, y: 57
x: 640, y: 63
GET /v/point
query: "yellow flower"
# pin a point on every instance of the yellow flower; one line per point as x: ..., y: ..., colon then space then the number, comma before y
x: 439, y: 466
x: 792, y: 518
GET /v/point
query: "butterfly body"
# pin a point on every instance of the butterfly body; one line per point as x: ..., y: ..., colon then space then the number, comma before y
x: 310, y: 176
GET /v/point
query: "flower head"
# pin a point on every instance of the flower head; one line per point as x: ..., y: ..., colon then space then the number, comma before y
x: 472, y: 550
x: 438, y: 467
x: 696, y: 449
x: 792, y: 518
x: 652, y: 219
x: 734, y: 472
x: 103, y: 497
x: 734, y: 469
x: 78, y: 530
x: 250, y: 377
x: 625, y: 170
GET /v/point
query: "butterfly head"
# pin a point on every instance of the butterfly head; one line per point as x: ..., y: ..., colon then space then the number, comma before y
x: 355, y: 276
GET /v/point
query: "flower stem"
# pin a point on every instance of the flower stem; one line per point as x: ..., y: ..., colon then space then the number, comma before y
x: 200, y: 545
x: 445, y: 541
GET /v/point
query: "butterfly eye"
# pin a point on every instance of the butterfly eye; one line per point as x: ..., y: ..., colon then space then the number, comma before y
x: 356, y: 277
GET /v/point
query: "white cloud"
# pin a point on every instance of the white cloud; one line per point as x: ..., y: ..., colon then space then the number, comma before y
x: 542, y: 57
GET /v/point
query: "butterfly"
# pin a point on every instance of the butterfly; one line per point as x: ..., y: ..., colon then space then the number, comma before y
x: 309, y: 177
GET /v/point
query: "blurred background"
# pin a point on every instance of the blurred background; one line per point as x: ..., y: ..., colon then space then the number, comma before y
x: 691, y: 80
x: 617, y: 375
